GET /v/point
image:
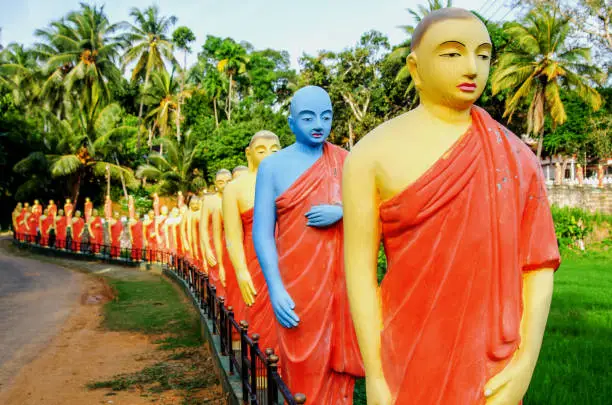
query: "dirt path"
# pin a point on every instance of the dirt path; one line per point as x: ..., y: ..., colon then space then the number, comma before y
x: 82, y: 353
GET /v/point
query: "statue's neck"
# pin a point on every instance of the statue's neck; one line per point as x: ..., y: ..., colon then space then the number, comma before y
x: 306, y: 149
x: 445, y: 114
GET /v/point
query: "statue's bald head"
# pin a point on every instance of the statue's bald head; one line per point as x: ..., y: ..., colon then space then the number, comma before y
x: 222, y: 173
x: 264, y: 134
x: 438, y: 16
x: 309, y: 95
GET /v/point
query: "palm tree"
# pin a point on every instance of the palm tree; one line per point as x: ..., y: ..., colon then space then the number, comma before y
x: 81, y: 147
x: 150, y: 47
x: 537, y: 64
x: 182, y: 37
x: 19, y: 72
x: 173, y: 170
x: 233, y: 60
x: 80, y: 52
x: 165, y: 93
x: 213, y: 85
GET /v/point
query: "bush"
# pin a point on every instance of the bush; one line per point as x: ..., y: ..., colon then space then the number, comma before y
x: 574, y: 225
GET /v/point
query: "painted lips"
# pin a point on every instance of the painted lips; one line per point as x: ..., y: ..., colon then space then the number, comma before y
x: 317, y: 135
x: 467, y: 87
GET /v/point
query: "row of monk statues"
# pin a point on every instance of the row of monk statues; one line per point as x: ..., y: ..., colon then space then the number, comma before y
x: 457, y: 201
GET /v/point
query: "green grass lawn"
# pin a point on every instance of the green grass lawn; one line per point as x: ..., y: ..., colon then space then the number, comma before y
x: 153, y: 307
x: 576, y: 359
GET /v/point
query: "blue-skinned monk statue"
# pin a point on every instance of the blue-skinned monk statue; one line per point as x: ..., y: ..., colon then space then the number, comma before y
x: 298, y: 189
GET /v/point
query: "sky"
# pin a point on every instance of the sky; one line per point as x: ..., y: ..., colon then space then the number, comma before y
x: 295, y: 26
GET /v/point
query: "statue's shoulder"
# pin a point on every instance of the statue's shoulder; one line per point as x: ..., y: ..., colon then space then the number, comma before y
x: 384, y: 139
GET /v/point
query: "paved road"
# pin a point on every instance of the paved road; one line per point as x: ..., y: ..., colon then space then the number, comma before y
x: 35, y: 300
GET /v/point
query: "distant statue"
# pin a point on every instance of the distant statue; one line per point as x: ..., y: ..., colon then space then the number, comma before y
x: 558, y: 174
x: 600, y: 176
x: 580, y: 174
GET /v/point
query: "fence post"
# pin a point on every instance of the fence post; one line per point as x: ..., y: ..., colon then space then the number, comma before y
x: 213, y: 310
x: 244, y: 366
x: 204, y: 293
x: 222, y: 326
x: 230, y: 328
x: 272, y: 362
x: 255, y: 338
x: 299, y: 398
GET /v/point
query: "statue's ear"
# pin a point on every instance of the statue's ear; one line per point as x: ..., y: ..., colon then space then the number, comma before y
x: 412, y: 64
x: 291, y: 123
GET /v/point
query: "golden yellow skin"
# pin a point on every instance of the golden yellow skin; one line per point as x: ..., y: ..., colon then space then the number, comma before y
x: 195, y: 208
x: 392, y: 157
x: 238, y: 197
x: 212, y: 206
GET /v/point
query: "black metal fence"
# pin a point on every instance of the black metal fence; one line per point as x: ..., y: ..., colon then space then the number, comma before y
x: 257, y: 367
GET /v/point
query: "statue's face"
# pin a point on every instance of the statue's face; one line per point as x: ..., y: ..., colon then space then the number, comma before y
x: 311, y: 115
x: 60, y: 213
x: 36, y: 202
x: 94, y: 213
x: 136, y: 216
x: 452, y: 62
x: 27, y: 205
x: 164, y: 210
x: 260, y: 149
x: 78, y: 214
x: 51, y: 202
x: 87, y: 199
x: 194, y: 205
x: 221, y: 180
x: 116, y: 215
x: 67, y: 200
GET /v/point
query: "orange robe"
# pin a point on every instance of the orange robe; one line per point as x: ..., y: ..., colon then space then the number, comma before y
x: 115, y: 232
x: 88, y: 211
x: 68, y: 208
x: 457, y: 241
x: 21, y: 225
x: 46, y: 223
x: 151, y: 238
x: 260, y: 314
x: 32, y: 222
x: 213, y: 271
x: 97, y: 236
x: 319, y: 357
x: 52, y: 210
x: 77, y: 228
x: 136, y: 230
x: 61, y: 223
x: 233, y: 296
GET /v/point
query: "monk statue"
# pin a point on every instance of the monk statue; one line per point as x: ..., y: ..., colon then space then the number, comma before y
x: 88, y: 209
x: 108, y: 208
x: 558, y: 174
x: 212, y: 204
x: 52, y: 208
x: 580, y: 174
x: 16, y: 216
x: 460, y: 204
x: 181, y: 200
x: 131, y: 207
x: 248, y: 281
x: 238, y: 171
x: 600, y: 175
x: 298, y: 189
x: 156, y: 206
x: 68, y: 210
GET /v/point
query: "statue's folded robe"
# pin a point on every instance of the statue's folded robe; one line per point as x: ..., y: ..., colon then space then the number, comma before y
x: 319, y: 357
x: 457, y: 242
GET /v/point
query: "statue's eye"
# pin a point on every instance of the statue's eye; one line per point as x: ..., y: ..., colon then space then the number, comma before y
x: 484, y: 57
x: 451, y: 55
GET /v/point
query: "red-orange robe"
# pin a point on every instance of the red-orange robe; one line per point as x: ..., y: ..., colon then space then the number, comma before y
x: 52, y: 210
x: 88, y: 211
x: 319, y: 357
x: 21, y: 225
x: 260, y: 315
x: 61, y: 223
x: 97, y: 236
x: 115, y: 232
x: 151, y: 240
x: 37, y: 210
x: 213, y: 271
x: 77, y: 228
x: 160, y: 222
x: 457, y: 242
x: 32, y: 222
x: 68, y: 208
x: 46, y: 223
x: 136, y: 230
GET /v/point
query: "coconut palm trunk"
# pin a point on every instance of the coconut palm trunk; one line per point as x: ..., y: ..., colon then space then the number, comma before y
x: 146, y: 83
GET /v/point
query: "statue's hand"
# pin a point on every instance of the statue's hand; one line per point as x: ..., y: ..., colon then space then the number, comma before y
x: 377, y: 391
x: 510, y: 385
x: 222, y: 274
x: 210, y: 258
x: 324, y: 215
x: 283, y: 307
x: 246, y: 287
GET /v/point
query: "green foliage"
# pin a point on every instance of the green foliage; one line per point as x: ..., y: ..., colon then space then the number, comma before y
x: 182, y: 37
x: 573, y: 225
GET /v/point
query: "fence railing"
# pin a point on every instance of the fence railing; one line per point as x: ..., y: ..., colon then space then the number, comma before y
x: 256, y: 367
